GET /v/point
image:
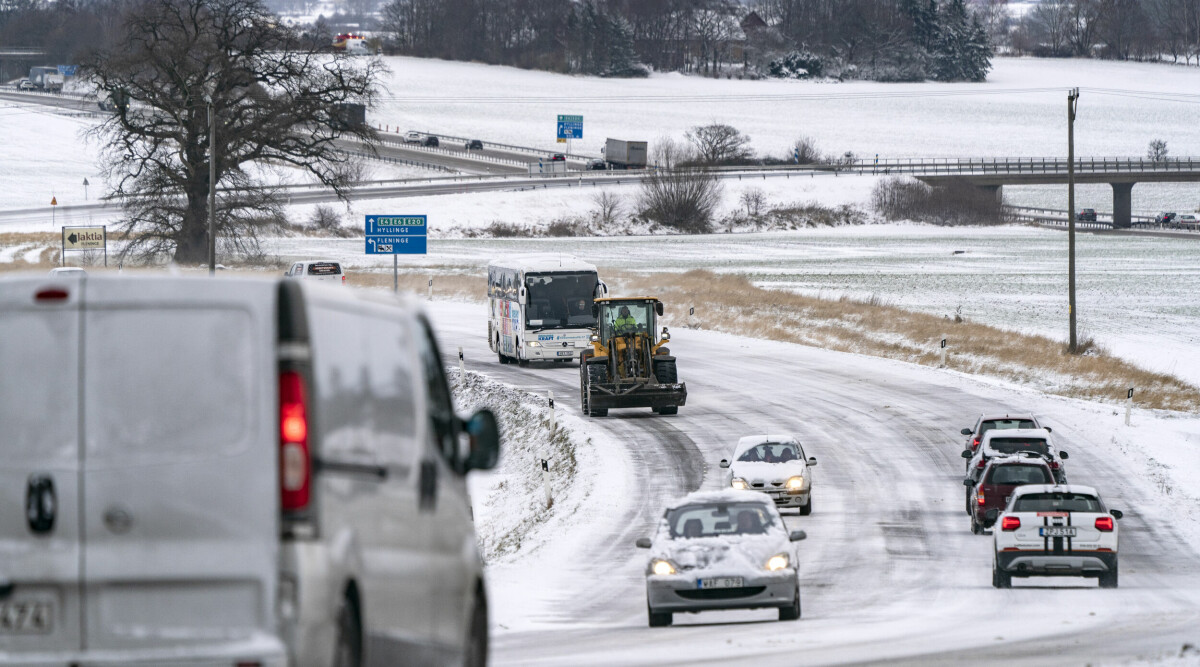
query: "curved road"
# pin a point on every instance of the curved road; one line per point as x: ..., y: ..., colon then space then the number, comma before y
x: 891, y: 571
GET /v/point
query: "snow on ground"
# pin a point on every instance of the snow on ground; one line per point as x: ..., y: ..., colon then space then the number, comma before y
x: 443, y: 96
x: 44, y: 155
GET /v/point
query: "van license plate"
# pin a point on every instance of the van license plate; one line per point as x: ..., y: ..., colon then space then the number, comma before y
x: 26, y: 617
x: 1058, y: 531
x: 719, y: 582
x: 566, y: 353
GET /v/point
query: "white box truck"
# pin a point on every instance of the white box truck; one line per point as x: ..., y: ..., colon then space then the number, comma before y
x: 621, y: 154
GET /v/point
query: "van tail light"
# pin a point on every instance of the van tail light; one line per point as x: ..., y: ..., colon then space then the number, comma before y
x: 343, y: 279
x: 981, y: 463
x: 51, y: 294
x: 295, y: 462
x: 1010, y: 523
x: 980, y: 498
x: 1104, y: 524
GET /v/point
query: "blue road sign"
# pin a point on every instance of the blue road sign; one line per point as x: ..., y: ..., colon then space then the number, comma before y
x: 396, y: 234
x: 67, y: 70
x: 570, y: 127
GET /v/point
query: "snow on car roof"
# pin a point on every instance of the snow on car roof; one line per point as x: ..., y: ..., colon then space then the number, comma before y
x: 754, y: 440
x: 991, y: 416
x: 1056, y: 488
x: 1028, y: 458
x: 1016, y: 433
x: 725, y: 496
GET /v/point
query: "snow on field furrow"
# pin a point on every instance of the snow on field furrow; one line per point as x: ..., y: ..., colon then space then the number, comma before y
x: 890, y: 569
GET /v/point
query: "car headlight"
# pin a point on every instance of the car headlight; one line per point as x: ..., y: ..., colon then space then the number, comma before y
x: 739, y: 483
x: 662, y: 567
x: 534, y: 343
x: 795, y: 483
x: 777, y: 562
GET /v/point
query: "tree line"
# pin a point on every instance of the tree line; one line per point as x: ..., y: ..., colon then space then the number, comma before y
x: 1114, y: 29
x: 877, y: 39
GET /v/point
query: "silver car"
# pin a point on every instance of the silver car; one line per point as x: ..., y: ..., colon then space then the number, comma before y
x: 774, y: 465
x: 721, y: 550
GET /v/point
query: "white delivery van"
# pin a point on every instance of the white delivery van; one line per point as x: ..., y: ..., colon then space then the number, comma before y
x: 211, y: 471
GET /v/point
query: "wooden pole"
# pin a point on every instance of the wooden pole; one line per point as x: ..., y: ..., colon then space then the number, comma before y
x: 1072, y: 103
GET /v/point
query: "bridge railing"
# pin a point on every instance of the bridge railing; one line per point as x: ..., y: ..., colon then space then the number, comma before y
x: 1019, y: 165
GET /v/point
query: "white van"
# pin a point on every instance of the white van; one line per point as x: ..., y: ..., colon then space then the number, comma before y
x: 323, y: 270
x: 200, y: 471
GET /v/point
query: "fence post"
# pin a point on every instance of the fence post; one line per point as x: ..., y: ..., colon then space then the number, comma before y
x: 553, y: 424
x: 462, y: 367
x: 1128, y: 405
x: 546, y: 483
x: 943, y: 350
x: 431, y: 288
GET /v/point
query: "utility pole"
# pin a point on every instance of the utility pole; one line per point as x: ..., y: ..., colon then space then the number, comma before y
x: 1072, y: 104
x: 213, y: 191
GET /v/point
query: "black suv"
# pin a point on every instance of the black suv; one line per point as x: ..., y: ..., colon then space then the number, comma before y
x: 1086, y: 215
x: 474, y: 145
x: 430, y: 141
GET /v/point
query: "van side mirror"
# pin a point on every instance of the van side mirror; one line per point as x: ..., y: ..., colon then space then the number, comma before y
x: 966, y: 453
x: 724, y: 463
x: 1116, y: 514
x: 991, y: 515
x: 797, y: 535
x: 643, y: 543
x: 812, y: 460
x: 1048, y: 429
x: 658, y: 308
x: 966, y: 431
x: 1064, y: 456
x: 484, y: 431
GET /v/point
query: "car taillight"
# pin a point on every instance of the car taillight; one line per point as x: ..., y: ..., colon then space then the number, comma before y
x: 1104, y: 524
x: 1010, y: 523
x: 981, y: 463
x: 51, y: 294
x: 295, y: 469
x: 980, y: 498
x: 1054, y: 465
x: 974, y: 443
x: 343, y: 280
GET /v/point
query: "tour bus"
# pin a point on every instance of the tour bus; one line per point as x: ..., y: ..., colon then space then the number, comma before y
x: 540, y: 308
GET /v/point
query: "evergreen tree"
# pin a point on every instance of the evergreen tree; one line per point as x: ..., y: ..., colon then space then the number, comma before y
x: 979, y: 52
x: 951, y: 50
x: 622, y: 58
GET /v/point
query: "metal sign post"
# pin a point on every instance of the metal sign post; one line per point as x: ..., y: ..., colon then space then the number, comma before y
x: 569, y: 127
x: 396, y: 235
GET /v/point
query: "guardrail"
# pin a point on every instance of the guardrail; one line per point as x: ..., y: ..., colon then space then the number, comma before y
x: 452, y: 153
x: 1035, y: 165
x: 495, y: 145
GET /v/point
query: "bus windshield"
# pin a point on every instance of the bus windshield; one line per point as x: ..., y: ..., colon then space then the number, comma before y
x: 560, y: 300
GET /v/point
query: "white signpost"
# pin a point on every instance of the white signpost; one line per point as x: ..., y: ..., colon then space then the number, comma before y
x: 84, y: 238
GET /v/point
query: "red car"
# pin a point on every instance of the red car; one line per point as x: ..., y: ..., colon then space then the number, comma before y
x: 999, y: 478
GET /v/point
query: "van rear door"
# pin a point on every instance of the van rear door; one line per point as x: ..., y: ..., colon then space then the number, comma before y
x: 39, y: 466
x: 180, y: 475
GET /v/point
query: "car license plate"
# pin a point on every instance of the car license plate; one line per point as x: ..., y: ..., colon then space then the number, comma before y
x: 26, y: 617
x: 1057, y: 531
x: 565, y: 353
x: 719, y: 582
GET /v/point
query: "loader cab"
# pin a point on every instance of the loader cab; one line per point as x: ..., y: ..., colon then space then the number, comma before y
x: 626, y: 317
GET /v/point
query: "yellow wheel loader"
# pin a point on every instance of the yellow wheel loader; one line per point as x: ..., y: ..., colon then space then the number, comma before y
x: 629, y: 365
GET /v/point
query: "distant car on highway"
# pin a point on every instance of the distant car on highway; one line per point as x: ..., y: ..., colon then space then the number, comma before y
x: 322, y: 270
x: 290, y: 489
x: 998, y: 420
x: 474, y: 145
x: 774, y: 465
x: 413, y: 137
x: 721, y: 550
x: 1000, y: 477
x: 597, y: 164
x: 1165, y: 218
x: 68, y: 271
x: 1055, y: 531
x: 1086, y: 215
x: 430, y: 140
x: 1016, y: 441
x: 26, y: 84
x: 1186, y: 221
x: 558, y: 157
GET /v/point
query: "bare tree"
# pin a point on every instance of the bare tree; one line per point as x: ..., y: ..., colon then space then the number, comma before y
x: 1157, y: 151
x: 804, y: 151
x: 754, y: 199
x: 276, y: 100
x: 718, y: 143
x: 1050, y: 23
x: 678, y: 193
x: 607, y: 207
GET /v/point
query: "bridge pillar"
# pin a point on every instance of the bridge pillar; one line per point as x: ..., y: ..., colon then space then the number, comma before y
x: 1122, y: 205
x: 995, y: 190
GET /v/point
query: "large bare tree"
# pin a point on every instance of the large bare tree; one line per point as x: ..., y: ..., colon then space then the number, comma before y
x: 277, y: 101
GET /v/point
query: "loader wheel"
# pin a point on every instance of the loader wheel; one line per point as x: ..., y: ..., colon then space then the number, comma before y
x: 666, y: 373
x: 589, y: 373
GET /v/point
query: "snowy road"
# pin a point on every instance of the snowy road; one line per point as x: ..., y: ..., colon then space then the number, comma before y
x: 890, y: 570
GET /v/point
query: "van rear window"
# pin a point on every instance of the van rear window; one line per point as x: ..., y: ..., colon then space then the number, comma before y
x: 325, y: 269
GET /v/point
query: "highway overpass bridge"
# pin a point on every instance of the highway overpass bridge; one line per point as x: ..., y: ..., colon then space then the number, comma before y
x: 994, y: 173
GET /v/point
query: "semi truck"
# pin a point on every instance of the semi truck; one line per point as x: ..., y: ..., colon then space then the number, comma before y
x: 621, y: 154
x: 46, y: 78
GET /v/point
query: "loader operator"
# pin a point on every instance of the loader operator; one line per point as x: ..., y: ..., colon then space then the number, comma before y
x: 625, y: 320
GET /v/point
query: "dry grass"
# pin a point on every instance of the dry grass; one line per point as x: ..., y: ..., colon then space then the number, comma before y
x: 731, y: 304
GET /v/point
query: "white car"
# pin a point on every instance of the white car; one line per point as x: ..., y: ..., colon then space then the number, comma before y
x: 721, y: 550
x: 774, y: 465
x: 1016, y: 441
x: 1055, y: 530
x: 322, y: 270
x: 68, y: 271
x: 413, y: 137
